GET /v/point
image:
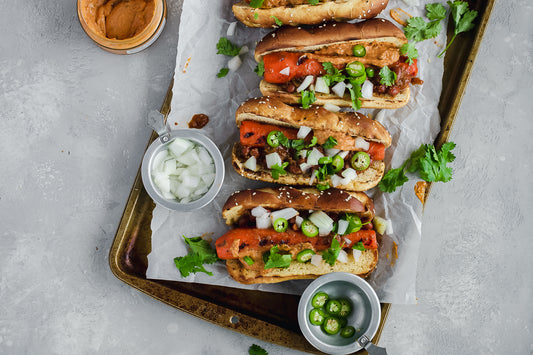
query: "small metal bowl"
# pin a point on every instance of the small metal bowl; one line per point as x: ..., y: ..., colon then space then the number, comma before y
x: 365, y: 315
x: 157, y: 146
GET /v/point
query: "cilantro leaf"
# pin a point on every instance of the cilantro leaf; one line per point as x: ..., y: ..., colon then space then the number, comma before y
x: 256, y: 350
x: 433, y: 29
x: 275, y: 259
x: 415, y: 29
x: 260, y: 68
x: 331, y: 254
x: 256, y: 15
x: 359, y: 246
x: 200, y: 253
x: 409, y: 50
x: 333, y: 74
x: 277, y: 170
x: 463, y: 19
x: 330, y: 143
x: 277, y: 21
x: 223, y: 72
x: 313, y: 2
x: 430, y: 164
x: 355, y: 94
x: 307, y: 99
x: 393, y: 179
x: 256, y: 3
x: 388, y: 77
x: 436, y: 11
x: 322, y: 187
x: 224, y: 46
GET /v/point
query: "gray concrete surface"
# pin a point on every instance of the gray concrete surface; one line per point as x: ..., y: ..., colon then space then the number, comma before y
x: 71, y: 140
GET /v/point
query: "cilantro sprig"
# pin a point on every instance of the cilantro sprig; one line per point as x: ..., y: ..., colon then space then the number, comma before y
x: 277, y: 21
x: 223, y: 72
x: 256, y: 3
x: 418, y: 30
x: 387, y: 76
x: 260, y: 68
x: 463, y: 19
x: 431, y: 165
x: 275, y: 259
x: 331, y: 254
x: 224, y: 46
x: 308, y: 98
x: 276, y: 170
x: 409, y: 50
x: 255, y: 349
x: 200, y: 253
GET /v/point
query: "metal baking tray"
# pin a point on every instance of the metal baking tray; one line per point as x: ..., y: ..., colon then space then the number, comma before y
x: 271, y: 317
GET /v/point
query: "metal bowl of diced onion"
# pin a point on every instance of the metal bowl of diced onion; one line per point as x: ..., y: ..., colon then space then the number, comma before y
x: 185, y: 173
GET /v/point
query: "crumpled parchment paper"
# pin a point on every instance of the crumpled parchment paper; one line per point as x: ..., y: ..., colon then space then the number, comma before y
x: 198, y: 90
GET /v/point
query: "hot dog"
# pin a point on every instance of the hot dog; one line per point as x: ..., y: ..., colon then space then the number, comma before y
x: 264, y: 13
x: 346, y: 64
x: 294, y: 146
x: 276, y: 231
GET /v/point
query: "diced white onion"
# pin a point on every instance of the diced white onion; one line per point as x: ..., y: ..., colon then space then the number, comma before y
x: 342, y: 226
x: 303, y: 132
x: 258, y: 211
x: 336, y: 180
x: 313, y: 177
x: 331, y: 152
x: 303, y: 153
x: 321, y: 219
x: 367, y: 89
x: 389, y: 227
x: 356, y: 254
x: 314, y: 156
x: 251, y: 163
x: 231, y: 29
x: 343, y: 257
x: 331, y: 107
x: 299, y: 221
x: 305, y: 166
x: 360, y: 143
x: 234, y: 63
x: 305, y: 84
x: 244, y: 50
x: 343, y: 154
x: 183, y: 171
x: 323, y: 231
x: 339, y: 89
x: 179, y: 146
x: 349, y: 174
x: 263, y: 222
x: 321, y: 86
x: 285, y: 71
x: 286, y: 213
x: 160, y: 157
x: 347, y: 241
x: 273, y: 159
x: 316, y: 260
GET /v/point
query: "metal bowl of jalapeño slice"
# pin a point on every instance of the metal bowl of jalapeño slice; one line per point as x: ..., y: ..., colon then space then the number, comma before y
x: 339, y: 313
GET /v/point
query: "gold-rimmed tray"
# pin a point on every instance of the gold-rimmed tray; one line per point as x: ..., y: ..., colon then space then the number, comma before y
x: 264, y: 315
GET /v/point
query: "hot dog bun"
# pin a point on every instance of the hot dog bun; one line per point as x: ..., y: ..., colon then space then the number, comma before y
x: 333, y: 200
x: 336, y: 124
x: 307, y: 14
x: 332, y: 43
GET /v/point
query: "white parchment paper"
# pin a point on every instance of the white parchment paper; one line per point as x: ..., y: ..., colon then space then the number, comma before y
x: 198, y: 90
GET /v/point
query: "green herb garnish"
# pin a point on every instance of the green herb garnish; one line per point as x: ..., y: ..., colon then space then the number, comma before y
x: 359, y: 246
x: 409, y: 50
x: 224, y: 46
x: 223, y: 72
x: 307, y: 98
x: 463, y: 19
x: 260, y: 68
x: 330, y: 143
x: 277, y: 170
x: 256, y: 3
x: 200, y: 253
x: 275, y: 259
x: 256, y: 350
x: 278, y: 22
x: 331, y: 254
x: 430, y: 164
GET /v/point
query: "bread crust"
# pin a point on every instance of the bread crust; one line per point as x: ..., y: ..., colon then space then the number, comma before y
x: 362, y: 267
x: 308, y: 14
x: 331, y: 200
x: 274, y: 111
x: 377, y: 101
x: 299, y: 39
